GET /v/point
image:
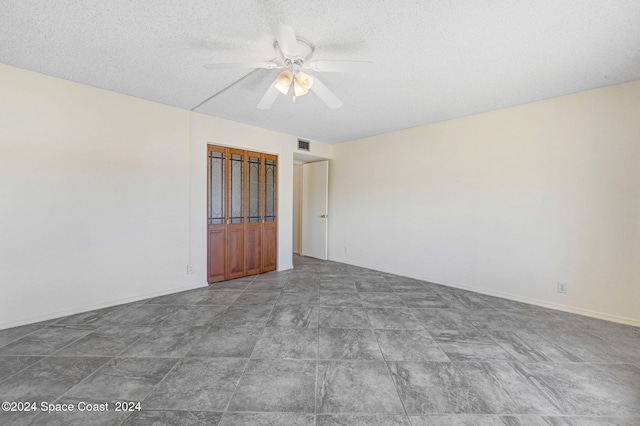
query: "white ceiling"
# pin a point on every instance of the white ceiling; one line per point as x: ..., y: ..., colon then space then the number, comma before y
x: 434, y: 60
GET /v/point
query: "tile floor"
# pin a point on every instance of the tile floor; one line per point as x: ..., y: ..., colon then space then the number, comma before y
x: 326, y: 344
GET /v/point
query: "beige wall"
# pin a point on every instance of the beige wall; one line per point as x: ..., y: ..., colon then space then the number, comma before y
x: 103, y: 199
x: 103, y: 196
x: 506, y: 203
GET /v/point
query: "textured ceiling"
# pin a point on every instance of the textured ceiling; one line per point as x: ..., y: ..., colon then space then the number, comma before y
x: 434, y: 60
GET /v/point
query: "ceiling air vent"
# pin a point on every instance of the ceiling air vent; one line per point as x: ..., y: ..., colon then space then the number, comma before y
x: 303, y: 145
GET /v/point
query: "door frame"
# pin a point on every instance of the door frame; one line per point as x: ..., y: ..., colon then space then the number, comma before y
x: 302, y: 159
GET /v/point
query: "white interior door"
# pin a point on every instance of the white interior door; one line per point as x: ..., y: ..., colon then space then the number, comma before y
x: 315, y: 200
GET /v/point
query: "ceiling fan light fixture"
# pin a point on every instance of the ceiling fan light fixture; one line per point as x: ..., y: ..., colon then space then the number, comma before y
x: 283, y: 81
x: 302, y: 82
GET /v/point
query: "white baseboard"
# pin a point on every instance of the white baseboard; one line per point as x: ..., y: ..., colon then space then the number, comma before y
x: 107, y: 304
x: 530, y: 301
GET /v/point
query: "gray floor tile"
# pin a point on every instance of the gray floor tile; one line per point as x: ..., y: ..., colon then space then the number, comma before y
x: 294, y: 316
x: 299, y: 298
x: 204, y: 296
x: 276, y: 385
x: 531, y: 347
x: 17, y: 418
x: 338, y: 286
x: 470, y: 346
x: 343, y: 318
x: 105, y: 341
x: 287, y: 342
x: 237, y: 284
x: 10, y: 365
x: 45, y: 341
x: 139, y: 315
x: 393, y: 319
x: 540, y: 318
x: 511, y: 388
x: 409, y: 345
x: 243, y: 316
x: 268, y: 419
x: 592, y: 389
x: 123, y: 379
x: 165, y: 342
x: 173, y: 418
x: 407, y: 284
x: 194, y: 315
x: 189, y: 297
x: 442, y: 319
x: 362, y: 420
x: 257, y: 298
x: 269, y: 286
x: 465, y: 300
x: 625, y: 346
x: 218, y: 297
x: 345, y: 299
x: 583, y: 345
x: 522, y: 420
x: 459, y: 420
x: 456, y: 357
x: 197, y: 384
x: 10, y: 334
x: 48, y: 379
x: 423, y: 300
x: 505, y: 304
x: 233, y: 342
x: 590, y: 421
x: 90, y: 317
x: 381, y: 300
x: 356, y: 387
x: 348, y: 344
x: 378, y: 285
x: 301, y: 287
x: 436, y: 388
x: 491, y: 319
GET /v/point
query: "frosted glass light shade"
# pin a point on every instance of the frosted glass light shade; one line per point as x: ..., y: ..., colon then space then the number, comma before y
x: 283, y: 81
x: 302, y: 83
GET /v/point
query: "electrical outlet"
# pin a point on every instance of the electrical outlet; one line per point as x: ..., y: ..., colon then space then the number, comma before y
x: 346, y: 249
x: 562, y: 288
x: 189, y: 269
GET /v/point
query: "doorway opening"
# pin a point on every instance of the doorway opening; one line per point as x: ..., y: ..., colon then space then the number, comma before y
x: 310, y: 205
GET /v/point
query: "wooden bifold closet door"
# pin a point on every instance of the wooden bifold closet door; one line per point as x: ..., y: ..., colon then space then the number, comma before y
x: 242, y: 219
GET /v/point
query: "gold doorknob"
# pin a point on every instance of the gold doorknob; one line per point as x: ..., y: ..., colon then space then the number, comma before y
x: 324, y: 216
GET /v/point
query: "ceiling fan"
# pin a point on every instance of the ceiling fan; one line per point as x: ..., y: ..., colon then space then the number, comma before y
x: 294, y: 55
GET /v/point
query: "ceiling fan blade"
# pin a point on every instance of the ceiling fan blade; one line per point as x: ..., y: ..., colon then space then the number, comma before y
x: 325, y: 94
x: 287, y: 40
x: 269, y: 97
x: 340, y: 66
x: 222, y: 66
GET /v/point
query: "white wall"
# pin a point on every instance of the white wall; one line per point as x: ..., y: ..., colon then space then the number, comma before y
x: 93, y: 197
x: 103, y: 196
x: 506, y: 203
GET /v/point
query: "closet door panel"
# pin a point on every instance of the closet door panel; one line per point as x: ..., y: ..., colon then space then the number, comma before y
x: 235, y: 252
x: 253, y: 246
x: 216, y: 263
x: 216, y: 214
x: 236, y: 221
x: 269, y: 248
x: 269, y: 225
